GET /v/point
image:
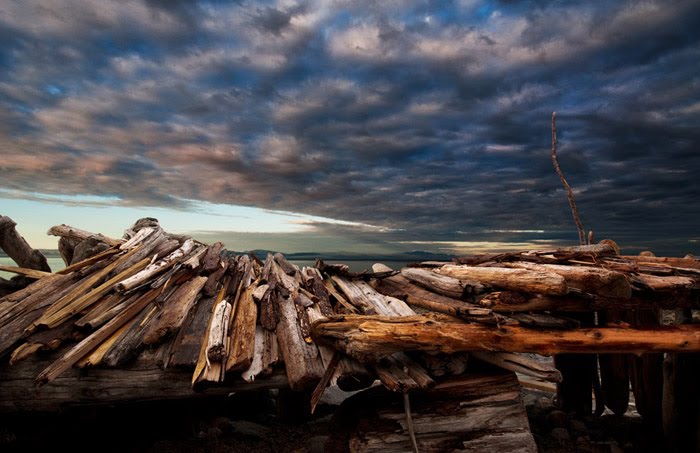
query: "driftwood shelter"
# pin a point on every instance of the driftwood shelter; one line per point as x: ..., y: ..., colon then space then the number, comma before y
x: 155, y: 316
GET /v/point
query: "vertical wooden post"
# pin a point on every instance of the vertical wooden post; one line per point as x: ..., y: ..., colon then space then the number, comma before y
x: 681, y: 396
x: 574, y: 392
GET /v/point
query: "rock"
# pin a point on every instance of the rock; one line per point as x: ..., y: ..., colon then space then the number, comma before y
x: 317, y: 444
x: 545, y: 403
x: 250, y: 429
x: 225, y: 424
x: 583, y: 445
x: 578, y: 428
x: 560, y: 434
x: 557, y: 419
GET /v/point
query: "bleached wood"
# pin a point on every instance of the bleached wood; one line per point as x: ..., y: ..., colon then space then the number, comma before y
x: 443, y: 284
x: 155, y: 268
x: 589, y: 279
x: 524, y: 280
x: 76, y: 233
x: 218, y: 331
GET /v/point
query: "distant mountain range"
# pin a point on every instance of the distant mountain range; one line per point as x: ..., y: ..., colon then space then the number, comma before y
x: 418, y: 255
x: 414, y: 256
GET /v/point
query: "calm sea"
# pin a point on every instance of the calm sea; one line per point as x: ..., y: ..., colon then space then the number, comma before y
x: 57, y: 264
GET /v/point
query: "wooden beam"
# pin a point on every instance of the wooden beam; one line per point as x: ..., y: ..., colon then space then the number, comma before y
x: 371, y: 337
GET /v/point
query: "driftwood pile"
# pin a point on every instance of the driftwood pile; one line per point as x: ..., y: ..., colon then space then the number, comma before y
x: 179, y: 304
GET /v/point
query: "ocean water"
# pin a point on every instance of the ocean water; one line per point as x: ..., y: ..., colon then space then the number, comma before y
x: 57, y: 264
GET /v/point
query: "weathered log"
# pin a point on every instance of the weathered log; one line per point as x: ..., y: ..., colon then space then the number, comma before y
x: 271, y: 353
x: 173, y: 311
x: 368, y: 337
x: 186, y: 346
x: 58, y: 309
x: 65, y: 249
x: 142, y: 250
x: 193, y: 259
x: 354, y: 295
x: 212, y: 259
x: 348, y: 374
x: 85, y: 249
x: 205, y: 371
x: 314, y: 283
x: 519, y: 363
x: 17, y: 248
x: 587, y: 279
x: 48, y: 340
x: 141, y: 380
x: 443, y: 284
x: 256, y: 365
x: 218, y: 332
x: 524, y: 280
x: 394, y: 377
x: 102, y: 311
x: 89, y: 343
x: 544, y: 320
x: 242, y: 335
x: 473, y: 413
x: 16, y: 316
x: 214, y: 280
x: 341, y: 303
x: 302, y: 360
x: 399, y: 287
x: 691, y: 263
x: 156, y: 268
x: 665, y: 283
x: 80, y: 235
x: 369, y: 301
x: 68, y: 307
x: 127, y: 342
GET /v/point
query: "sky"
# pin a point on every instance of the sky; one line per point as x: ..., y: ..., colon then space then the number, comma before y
x: 357, y: 126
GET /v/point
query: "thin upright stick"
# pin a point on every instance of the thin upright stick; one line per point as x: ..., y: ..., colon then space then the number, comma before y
x: 409, y: 422
x: 569, y: 192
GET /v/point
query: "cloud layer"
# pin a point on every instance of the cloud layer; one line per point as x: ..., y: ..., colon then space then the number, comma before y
x: 428, y: 120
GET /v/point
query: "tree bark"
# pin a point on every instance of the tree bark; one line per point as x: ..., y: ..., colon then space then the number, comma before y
x: 524, y: 280
x: 370, y: 337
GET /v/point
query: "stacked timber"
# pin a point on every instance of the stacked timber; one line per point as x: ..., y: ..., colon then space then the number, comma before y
x: 169, y: 304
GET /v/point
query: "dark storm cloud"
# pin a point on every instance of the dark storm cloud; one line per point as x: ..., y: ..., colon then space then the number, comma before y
x: 427, y: 121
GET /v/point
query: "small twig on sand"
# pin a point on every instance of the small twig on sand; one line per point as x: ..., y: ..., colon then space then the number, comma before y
x: 569, y: 192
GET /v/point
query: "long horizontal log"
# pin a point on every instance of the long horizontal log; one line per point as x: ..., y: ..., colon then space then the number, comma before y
x: 443, y: 284
x: 512, y: 301
x: 76, y: 233
x: 371, y: 337
x: 138, y: 381
x: 524, y: 280
x: 588, y: 279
